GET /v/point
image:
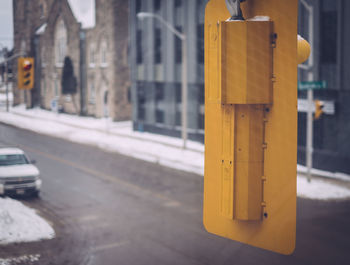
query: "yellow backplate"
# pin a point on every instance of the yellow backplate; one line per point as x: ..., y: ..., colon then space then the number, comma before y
x: 251, y: 123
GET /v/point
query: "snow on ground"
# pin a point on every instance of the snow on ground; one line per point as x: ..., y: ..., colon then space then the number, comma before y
x: 19, y: 223
x: 115, y: 137
x: 3, y: 97
x: 320, y: 189
x: 323, y: 173
x: 28, y: 259
x: 119, y: 137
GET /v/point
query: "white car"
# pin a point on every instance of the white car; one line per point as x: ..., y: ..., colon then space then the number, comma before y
x: 18, y: 175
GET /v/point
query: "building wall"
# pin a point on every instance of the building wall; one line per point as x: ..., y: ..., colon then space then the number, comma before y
x: 27, y: 17
x: 100, y: 76
x: 105, y: 80
x: 156, y: 86
x: 155, y: 60
x: 111, y: 31
x: 121, y: 96
x: 51, y: 71
x: 331, y: 63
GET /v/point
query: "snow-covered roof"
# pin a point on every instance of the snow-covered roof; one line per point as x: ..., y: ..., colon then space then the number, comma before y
x: 10, y: 151
x: 84, y: 12
x: 41, y: 29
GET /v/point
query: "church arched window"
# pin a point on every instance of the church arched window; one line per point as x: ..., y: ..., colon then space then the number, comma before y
x: 60, y: 42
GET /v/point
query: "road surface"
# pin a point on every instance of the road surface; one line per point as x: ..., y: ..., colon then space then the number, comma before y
x: 111, y: 209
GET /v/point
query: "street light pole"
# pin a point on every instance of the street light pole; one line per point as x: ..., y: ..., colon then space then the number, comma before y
x: 184, y: 89
x: 184, y: 85
x: 7, y: 88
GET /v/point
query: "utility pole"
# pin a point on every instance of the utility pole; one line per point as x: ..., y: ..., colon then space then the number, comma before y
x: 6, y: 75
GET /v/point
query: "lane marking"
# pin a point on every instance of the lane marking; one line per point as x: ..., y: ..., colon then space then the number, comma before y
x: 101, y: 175
x: 88, y: 218
x: 101, y: 225
x: 110, y: 246
x: 171, y: 204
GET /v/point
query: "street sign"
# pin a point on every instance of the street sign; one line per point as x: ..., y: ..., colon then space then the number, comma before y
x: 312, y: 85
x: 328, y: 108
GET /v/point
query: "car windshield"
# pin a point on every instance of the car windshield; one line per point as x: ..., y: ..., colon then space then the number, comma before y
x: 17, y: 159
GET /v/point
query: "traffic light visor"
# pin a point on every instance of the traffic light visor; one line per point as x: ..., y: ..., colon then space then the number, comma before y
x: 27, y: 65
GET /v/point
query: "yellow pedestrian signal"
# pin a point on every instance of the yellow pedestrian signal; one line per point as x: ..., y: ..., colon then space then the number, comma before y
x: 25, y: 73
x: 251, y: 123
x: 318, y: 109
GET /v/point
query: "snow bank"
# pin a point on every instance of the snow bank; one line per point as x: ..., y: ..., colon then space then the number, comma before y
x: 323, y: 173
x: 20, y: 260
x: 320, y: 189
x: 19, y: 223
x: 119, y: 137
x: 3, y: 97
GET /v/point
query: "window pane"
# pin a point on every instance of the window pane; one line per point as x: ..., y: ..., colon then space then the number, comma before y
x: 178, y: 3
x: 200, y: 44
x: 159, y: 116
x: 92, y: 54
x: 329, y: 36
x: 157, y: 4
x: 159, y: 92
x: 138, y: 6
x: 178, y: 93
x: 157, y: 46
x: 178, y: 47
x: 139, y: 58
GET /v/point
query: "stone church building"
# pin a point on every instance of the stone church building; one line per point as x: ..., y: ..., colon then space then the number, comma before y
x: 94, y: 34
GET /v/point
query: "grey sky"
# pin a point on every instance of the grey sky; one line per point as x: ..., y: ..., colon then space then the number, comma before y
x: 6, y: 24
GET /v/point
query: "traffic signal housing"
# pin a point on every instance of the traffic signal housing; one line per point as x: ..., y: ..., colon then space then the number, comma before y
x: 25, y: 73
x: 251, y: 123
x: 304, y: 50
x: 318, y: 109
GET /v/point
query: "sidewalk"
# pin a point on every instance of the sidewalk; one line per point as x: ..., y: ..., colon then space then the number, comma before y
x: 167, y: 151
x: 111, y: 136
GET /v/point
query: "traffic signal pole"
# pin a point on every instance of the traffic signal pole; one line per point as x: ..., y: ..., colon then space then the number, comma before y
x: 309, y: 130
x: 15, y: 56
x: 310, y: 92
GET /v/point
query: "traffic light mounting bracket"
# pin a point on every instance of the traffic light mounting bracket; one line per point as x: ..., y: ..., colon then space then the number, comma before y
x: 250, y: 124
x: 246, y: 47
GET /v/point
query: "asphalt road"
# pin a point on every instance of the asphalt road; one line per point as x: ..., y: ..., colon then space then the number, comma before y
x: 111, y: 209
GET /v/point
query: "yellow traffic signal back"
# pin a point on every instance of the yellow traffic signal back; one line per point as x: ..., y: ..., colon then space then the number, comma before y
x: 304, y: 50
x: 25, y: 73
x: 251, y: 123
